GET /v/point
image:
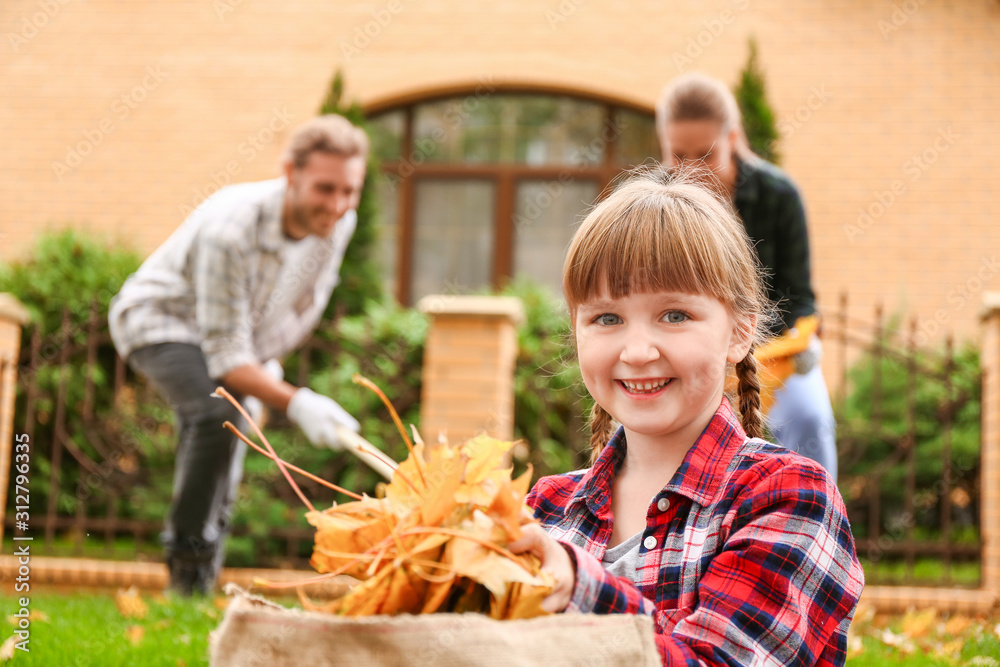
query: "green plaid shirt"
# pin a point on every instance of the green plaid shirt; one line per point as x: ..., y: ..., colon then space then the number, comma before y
x: 772, y: 212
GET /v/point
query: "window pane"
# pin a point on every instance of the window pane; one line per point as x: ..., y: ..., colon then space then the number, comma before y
x: 522, y: 129
x: 453, y: 236
x: 637, y: 140
x: 546, y: 215
x: 386, y: 134
x: 387, y: 242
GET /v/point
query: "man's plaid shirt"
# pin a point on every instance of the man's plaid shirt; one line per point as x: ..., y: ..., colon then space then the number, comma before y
x: 747, y: 557
x: 219, y: 282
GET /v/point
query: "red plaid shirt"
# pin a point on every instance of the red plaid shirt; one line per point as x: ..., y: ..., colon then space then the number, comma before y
x: 751, y: 563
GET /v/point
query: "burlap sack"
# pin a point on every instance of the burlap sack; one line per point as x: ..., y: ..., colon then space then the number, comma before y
x: 254, y: 632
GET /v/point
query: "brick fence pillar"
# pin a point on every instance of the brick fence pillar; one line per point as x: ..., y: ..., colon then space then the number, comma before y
x: 990, y: 502
x: 12, y: 317
x: 469, y: 359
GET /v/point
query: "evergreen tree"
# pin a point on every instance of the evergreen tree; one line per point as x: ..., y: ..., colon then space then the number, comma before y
x: 758, y: 118
x: 359, y: 276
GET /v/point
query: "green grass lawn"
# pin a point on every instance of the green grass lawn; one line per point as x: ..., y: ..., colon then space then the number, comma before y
x: 926, y: 571
x: 78, y: 629
x: 88, y: 629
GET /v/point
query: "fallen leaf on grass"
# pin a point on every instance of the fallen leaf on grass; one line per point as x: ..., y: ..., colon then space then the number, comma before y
x: 135, y: 633
x: 901, y: 642
x: 130, y: 604
x: 919, y: 624
x: 34, y: 615
x: 7, y: 649
x: 952, y: 649
x: 956, y: 625
x: 855, y: 646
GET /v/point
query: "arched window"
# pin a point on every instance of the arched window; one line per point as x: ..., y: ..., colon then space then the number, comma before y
x: 479, y: 187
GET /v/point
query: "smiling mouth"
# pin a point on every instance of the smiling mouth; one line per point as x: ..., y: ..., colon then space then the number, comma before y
x: 643, y: 387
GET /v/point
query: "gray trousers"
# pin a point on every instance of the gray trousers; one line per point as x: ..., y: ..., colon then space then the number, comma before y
x: 209, y: 461
x: 801, y: 419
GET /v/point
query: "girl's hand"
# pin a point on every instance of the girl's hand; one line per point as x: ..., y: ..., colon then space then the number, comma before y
x: 555, y: 561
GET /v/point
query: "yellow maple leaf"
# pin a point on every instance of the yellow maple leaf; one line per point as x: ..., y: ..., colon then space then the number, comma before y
x: 135, y: 634
x: 7, y: 648
x: 130, y: 603
x: 918, y: 624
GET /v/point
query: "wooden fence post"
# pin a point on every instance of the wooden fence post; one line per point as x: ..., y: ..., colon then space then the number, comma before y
x: 13, y: 316
x: 469, y: 359
x: 990, y: 502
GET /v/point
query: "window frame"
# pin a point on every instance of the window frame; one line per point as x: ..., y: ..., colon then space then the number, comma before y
x: 505, y: 176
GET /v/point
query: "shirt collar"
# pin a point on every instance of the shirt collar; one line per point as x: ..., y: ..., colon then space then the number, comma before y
x: 700, y: 476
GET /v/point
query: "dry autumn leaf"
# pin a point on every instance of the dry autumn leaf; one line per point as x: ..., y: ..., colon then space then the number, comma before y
x: 956, y: 625
x: 7, y: 648
x: 130, y: 604
x: 135, y: 634
x: 951, y: 649
x: 434, y: 538
x: 919, y: 624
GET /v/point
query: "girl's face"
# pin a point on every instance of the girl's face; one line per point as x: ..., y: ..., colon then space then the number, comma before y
x: 657, y: 361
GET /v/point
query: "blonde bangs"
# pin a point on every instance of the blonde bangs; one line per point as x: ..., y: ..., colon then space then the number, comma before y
x: 655, y: 234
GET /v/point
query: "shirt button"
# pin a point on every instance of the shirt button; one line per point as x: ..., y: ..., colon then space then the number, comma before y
x: 649, y: 542
x: 663, y: 504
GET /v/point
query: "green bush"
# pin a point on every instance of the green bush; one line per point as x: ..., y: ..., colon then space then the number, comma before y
x: 68, y: 271
x: 68, y: 274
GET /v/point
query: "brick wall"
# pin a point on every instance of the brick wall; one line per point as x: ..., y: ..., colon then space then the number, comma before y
x: 895, y: 101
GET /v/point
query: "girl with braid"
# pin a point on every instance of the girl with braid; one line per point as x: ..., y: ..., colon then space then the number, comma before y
x: 739, y: 549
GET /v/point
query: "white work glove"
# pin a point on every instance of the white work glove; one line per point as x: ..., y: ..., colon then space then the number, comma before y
x: 319, y: 417
x: 252, y: 404
x: 806, y: 360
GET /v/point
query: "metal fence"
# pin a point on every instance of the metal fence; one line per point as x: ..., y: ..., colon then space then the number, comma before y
x: 91, y: 421
x: 910, y: 449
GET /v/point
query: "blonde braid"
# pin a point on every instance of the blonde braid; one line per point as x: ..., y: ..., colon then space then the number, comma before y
x: 748, y: 392
x: 601, y: 430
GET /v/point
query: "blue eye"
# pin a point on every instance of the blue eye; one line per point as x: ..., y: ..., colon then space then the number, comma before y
x: 608, y: 319
x: 675, y: 316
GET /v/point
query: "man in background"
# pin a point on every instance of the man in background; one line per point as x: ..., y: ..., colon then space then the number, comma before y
x: 241, y: 283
